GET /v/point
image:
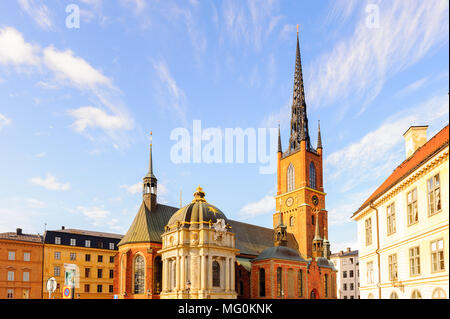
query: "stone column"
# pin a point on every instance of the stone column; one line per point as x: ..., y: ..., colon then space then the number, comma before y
x: 233, y: 279
x: 203, y: 273
x: 183, y: 273
x: 177, y: 273
x: 165, y: 271
x: 227, y: 273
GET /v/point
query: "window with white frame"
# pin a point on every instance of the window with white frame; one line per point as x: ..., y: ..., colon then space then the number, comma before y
x: 11, y: 255
x: 57, y: 271
x: 10, y: 275
x: 57, y: 255
x: 414, y: 261
x: 434, y: 195
x: 73, y: 256
x: 10, y: 294
x: 369, y: 271
x: 26, y: 256
x: 26, y: 276
x: 87, y: 243
x: 73, y: 241
x: 390, y: 215
x: 392, y: 262
x: 57, y: 240
x: 413, y: 214
x: 111, y: 245
x: 437, y: 255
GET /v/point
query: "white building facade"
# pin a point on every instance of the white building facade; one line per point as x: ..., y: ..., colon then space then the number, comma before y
x: 347, y: 280
x: 403, y: 228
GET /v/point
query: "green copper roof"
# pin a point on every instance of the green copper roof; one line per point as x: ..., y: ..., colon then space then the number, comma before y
x: 148, y: 226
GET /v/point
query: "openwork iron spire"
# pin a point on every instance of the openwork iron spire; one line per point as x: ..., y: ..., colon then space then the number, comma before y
x: 299, y: 119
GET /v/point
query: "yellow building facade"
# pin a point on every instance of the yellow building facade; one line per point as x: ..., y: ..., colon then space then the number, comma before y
x: 403, y: 227
x: 91, y: 253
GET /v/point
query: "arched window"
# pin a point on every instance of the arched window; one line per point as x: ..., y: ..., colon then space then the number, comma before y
x: 157, y: 275
x: 312, y: 176
x: 279, y: 282
x: 416, y: 294
x: 216, y: 274
x: 300, y: 283
x: 439, y: 293
x: 290, y: 178
x: 139, y: 275
x: 393, y: 295
x: 291, y: 221
x: 262, y: 282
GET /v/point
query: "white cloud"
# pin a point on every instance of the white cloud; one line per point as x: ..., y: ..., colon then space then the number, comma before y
x: 133, y: 189
x: 359, y: 66
x: 40, y: 155
x: 50, y: 183
x: 34, y: 203
x: 40, y: 13
x: 14, y: 50
x: 264, y: 206
x: 89, y: 116
x: 138, y: 5
x: 249, y: 22
x: 4, y: 120
x: 76, y: 70
x: 343, y: 245
x: 171, y: 95
x: 378, y: 151
x: 98, y: 216
x: 413, y: 86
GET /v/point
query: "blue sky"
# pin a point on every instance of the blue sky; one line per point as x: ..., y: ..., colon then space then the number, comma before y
x: 77, y: 104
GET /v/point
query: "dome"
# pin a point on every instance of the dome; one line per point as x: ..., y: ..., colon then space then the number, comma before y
x: 324, y: 262
x: 280, y: 252
x: 198, y: 212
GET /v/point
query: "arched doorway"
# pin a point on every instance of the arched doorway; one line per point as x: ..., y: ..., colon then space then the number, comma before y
x: 314, y: 294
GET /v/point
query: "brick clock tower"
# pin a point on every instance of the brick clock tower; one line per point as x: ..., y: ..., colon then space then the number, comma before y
x: 300, y: 194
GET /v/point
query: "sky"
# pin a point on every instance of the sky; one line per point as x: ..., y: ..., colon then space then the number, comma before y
x: 82, y: 83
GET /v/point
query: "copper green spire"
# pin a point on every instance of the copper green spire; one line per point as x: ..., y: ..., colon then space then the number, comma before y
x: 299, y: 119
x: 319, y: 138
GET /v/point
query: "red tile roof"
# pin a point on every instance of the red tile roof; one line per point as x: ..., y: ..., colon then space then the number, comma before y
x: 420, y: 156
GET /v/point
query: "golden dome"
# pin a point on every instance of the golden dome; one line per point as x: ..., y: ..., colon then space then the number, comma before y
x: 196, y: 213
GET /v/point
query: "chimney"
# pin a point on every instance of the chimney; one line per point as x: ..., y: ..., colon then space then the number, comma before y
x: 349, y: 249
x: 415, y: 137
x: 19, y: 231
x: 63, y: 227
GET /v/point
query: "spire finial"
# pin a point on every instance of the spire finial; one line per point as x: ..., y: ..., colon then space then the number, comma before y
x: 297, y: 29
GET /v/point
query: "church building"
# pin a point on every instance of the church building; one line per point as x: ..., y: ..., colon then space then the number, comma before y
x: 196, y: 252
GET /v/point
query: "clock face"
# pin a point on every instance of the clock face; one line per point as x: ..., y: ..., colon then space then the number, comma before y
x: 289, y: 201
x: 315, y: 200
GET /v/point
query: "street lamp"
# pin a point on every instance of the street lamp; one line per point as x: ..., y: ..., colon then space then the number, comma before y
x: 188, y: 285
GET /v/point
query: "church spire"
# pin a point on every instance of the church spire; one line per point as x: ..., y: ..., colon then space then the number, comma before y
x: 299, y: 119
x: 150, y: 182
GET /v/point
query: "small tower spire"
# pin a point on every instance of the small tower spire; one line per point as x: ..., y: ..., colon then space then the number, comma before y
x: 280, y: 232
x: 150, y: 182
x: 299, y: 119
x: 317, y: 241
x: 319, y: 138
x: 280, y: 149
